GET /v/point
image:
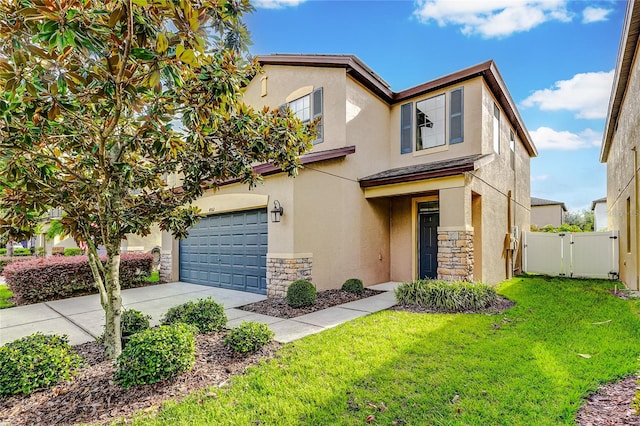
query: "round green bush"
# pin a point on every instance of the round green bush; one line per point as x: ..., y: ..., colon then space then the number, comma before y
x: 248, y: 337
x: 157, y: 354
x: 353, y: 285
x: 301, y: 293
x: 205, y: 314
x: 34, y: 362
x: 132, y: 322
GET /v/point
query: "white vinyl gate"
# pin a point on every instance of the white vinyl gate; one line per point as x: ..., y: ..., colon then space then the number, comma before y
x: 571, y: 254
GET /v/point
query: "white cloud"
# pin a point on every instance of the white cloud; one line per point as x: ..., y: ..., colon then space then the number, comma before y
x: 563, y: 140
x: 594, y: 14
x: 276, y: 4
x: 587, y: 94
x: 492, y: 18
x: 540, y: 178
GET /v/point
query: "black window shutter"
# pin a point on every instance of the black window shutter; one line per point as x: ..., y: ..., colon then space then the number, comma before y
x: 317, y: 112
x: 406, y: 128
x: 456, y: 116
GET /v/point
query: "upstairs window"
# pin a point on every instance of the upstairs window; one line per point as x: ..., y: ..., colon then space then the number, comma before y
x: 512, y: 148
x: 310, y: 107
x: 496, y: 129
x: 430, y: 122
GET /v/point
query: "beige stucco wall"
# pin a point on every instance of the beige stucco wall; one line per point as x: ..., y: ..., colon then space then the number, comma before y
x: 622, y: 180
x: 492, y: 183
x: 546, y: 215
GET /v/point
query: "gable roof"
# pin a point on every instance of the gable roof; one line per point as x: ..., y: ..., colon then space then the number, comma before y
x: 626, y: 54
x: 537, y: 202
x: 598, y: 201
x: 426, y: 171
x: 372, y: 81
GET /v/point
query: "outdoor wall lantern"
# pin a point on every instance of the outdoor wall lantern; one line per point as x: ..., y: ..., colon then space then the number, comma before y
x: 276, y: 212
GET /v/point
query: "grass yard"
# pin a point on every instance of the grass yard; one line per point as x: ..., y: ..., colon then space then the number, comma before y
x: 5, y: 294
x: 532, y: 365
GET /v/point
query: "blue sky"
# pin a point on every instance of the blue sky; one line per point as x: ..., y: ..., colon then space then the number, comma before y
x: 557, y: 58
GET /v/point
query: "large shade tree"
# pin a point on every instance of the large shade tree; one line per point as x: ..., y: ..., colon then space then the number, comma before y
x: 104, y: 102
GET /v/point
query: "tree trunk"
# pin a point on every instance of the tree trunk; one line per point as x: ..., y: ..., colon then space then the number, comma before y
x: 107, y: 280
x: 113, y: 307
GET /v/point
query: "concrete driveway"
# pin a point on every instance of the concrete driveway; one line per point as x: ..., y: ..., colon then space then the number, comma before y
x: 82, y: 318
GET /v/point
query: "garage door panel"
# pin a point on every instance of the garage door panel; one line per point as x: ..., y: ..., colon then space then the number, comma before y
x: 227, y: 250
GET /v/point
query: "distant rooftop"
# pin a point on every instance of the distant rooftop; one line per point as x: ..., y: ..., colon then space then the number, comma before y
x: 599, y: 200
x: 537, y: 202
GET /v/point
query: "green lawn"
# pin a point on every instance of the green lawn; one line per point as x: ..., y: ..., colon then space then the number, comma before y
x: 532, y: 365
x: 5, y: 294
x: 154, y: 277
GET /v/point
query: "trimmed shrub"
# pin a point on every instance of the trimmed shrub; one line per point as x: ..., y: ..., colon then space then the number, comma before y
x: 34, y: 362
x: 205, y: 314
x: 22, y: 252
x: 133, y: 321
x: 72, y: 251
x: 301, y: 293
x: 353, y: 285
x: 4, y: 260
x: 58, y: 277
x: 157, y: 354
x: 248, y: 337
x: 446, y: 296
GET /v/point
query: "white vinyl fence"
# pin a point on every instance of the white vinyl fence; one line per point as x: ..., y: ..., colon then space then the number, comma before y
x: 571, y: 254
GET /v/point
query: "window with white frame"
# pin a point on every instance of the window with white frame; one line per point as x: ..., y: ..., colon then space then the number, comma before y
x: 430, y: 123
x: 496, y: 129
x: 512, y: 147
x: 310, y: 107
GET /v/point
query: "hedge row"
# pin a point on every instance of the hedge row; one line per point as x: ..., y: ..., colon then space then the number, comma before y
x: 5, y: 260
x: 52, y: 278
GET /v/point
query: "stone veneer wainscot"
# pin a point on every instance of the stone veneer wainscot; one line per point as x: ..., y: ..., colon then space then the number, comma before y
x: 282, y: 270
x: 455, y: 255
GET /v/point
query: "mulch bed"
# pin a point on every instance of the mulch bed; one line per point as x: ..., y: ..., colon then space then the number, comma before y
x: 610, y: 405
x: 278, y: 307
x: 92, y: 396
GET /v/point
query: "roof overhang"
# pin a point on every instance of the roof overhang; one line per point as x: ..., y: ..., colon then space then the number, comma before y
x: 267, y: 169
x: 372, y: 81
x: 422, y: 178
x: 626, y: 54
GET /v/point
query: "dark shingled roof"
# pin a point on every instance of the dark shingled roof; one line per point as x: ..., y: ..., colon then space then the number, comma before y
x: 423, y: 171
x: 535, y: 202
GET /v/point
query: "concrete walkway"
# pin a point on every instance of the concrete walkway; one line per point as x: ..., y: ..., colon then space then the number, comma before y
x: 82, y: 318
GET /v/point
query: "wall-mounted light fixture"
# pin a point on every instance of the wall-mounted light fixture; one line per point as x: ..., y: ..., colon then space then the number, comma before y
x: 276, y: 212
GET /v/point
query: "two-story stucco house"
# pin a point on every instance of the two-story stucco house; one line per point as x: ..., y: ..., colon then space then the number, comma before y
x: 432, y: 181
x: 620, y: 150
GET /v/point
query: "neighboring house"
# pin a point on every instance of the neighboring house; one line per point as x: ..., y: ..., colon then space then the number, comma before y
x: 620, y: 147
x: 599, y: 209
x: 547, y: 212
x: 430, y: 182
x: 133, y: 243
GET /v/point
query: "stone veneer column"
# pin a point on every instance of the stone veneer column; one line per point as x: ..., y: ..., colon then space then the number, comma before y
x: 282, y: 270
x: 165, y: 267
x: 455, y: 255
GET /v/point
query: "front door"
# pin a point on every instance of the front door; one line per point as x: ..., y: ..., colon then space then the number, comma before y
x: 428, y: 245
